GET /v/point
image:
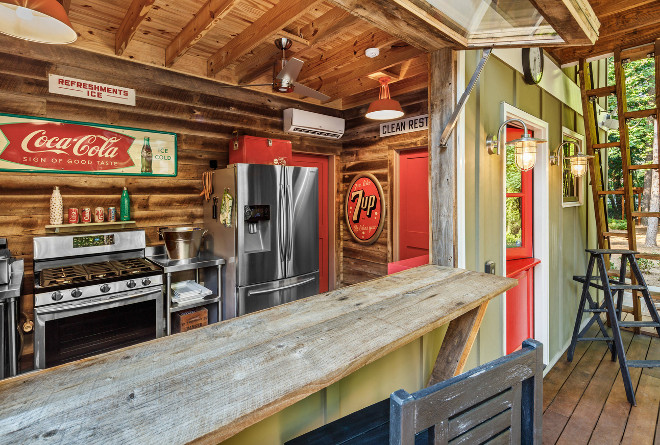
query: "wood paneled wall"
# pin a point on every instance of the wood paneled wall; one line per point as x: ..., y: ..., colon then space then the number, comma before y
x: 364, y: 151
x: 201, y: 113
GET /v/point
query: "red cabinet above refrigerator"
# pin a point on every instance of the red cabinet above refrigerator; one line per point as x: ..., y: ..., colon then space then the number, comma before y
x: 256, y: 150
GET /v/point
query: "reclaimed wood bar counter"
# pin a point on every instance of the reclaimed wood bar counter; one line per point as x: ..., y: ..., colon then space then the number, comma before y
x: 208, y: 384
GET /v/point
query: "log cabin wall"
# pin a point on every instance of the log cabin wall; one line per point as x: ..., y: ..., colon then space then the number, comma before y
x: 364, y: 151
x: 201, y: 114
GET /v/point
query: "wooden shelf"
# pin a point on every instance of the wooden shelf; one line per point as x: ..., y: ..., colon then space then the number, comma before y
x: 90, y: 227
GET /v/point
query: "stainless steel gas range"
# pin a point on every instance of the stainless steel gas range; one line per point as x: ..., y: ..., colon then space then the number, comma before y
x: 93, y: 293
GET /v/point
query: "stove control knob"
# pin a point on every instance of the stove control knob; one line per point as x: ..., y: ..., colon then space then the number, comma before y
x: 76, y: 293
x: 56, y: 296
x: 105, y: 288
x: 131, y: 284
x: 146, y: 282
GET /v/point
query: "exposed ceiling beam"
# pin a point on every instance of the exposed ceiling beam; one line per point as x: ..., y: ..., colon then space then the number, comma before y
x: 272, y: 21
x: 206, y: 18
x: 410, y: 20
x: 344, y: 75
x: 66, y: 4
x: 604, y: 8
x: 574, y: 20
x: 136, y: 13
x: 353, y: 56
x: 624, y: 30
x: 319, y: 32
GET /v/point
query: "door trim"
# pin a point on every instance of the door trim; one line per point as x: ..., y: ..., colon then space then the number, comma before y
x: 541, y: 234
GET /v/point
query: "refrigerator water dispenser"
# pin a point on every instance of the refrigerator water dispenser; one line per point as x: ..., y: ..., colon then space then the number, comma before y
x: 257, y: 219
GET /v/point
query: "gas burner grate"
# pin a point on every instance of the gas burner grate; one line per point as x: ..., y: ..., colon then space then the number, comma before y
x: 133, y: 266
x: 63, y: 275
x: 101, y: 270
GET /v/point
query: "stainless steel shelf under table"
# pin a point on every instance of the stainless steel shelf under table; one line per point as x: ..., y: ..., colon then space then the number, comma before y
x: 9, y: 295
x: 159, y: 257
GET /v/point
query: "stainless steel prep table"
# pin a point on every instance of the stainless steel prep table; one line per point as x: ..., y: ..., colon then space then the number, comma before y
x: 158, y: 256
x: 9, y: 295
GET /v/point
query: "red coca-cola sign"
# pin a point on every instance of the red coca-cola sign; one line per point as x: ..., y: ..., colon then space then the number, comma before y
x: 365, y: 212
x: 65, y: 146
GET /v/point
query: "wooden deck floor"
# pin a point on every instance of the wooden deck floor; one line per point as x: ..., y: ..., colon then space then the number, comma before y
x: 584, y: 401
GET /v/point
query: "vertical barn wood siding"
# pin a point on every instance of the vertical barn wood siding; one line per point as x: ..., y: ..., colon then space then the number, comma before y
x: 364, y: 151
x: 201, y: 114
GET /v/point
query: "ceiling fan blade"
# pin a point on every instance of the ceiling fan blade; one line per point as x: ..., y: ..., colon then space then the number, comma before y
x: 301, y: 89
x: 291, y: 70
x: 247, y: 85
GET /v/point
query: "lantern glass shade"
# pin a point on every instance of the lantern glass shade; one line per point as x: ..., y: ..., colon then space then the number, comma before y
x: 578, y: 165
x: 384, y: 108
x: 43, y: 21
x: 525, y: 154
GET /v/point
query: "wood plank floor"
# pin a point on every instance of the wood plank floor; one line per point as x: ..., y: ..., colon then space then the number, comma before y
x: 584, y: 401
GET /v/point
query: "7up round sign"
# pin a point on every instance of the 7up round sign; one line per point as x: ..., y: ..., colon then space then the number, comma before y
x: 365, y: 209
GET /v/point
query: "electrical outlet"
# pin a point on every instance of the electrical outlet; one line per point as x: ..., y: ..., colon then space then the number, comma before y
x: 490, y: 267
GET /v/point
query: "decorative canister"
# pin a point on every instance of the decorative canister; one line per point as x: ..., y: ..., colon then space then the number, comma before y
x: 112, y: 214
x: 99, y: 214
x: 74, y: 215
x: 86, y: 215
x: 56, y: 211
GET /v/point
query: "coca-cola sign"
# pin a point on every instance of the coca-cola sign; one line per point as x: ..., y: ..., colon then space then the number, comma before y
x: 44, y: 145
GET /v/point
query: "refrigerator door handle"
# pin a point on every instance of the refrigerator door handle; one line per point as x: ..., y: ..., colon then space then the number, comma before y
x: 289, y: 208
x: 269, y: 291
x: 282, y: 221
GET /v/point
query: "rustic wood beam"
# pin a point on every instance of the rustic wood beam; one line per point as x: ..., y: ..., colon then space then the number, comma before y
x: 272, y: 21
x: 319, y: 32
x: 574, y: 20
x: 457, y: 344
x: 66, y: 4
x: 206, y: 18
x: 603, y: 8
x: 136, y: 13
x: 410, y: 20
x: 442, y: 73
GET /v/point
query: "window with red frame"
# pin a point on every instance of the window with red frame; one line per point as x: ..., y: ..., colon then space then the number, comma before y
x: 519, y: 204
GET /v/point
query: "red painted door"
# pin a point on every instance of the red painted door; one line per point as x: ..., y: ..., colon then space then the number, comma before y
x: 520, y: 249
x: 413, y: 204
x: 320, y: 162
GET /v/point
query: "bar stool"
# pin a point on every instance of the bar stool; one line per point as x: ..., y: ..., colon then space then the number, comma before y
x: 607, y: 285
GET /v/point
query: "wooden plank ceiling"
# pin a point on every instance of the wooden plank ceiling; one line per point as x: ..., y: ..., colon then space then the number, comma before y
x: 233, y: 41
x: 624, y: 24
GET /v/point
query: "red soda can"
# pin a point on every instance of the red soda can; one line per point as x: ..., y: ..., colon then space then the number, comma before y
x: 99, y: 214
x: 74, y: 215
x: 86, y: 215
x: 112, y: 214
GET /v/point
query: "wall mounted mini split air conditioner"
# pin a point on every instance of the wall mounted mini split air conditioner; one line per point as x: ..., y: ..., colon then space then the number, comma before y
x: 313, y: 124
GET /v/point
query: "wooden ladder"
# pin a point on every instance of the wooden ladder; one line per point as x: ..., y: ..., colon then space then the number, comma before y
x: 594, y: 147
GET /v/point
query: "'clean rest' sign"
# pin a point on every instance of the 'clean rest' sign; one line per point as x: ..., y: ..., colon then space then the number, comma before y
x: 407, y: 125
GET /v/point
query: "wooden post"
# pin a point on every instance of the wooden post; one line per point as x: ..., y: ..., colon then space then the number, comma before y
x: 442, y: 160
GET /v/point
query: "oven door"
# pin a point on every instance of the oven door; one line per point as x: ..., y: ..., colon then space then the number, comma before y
x: 71, y: 331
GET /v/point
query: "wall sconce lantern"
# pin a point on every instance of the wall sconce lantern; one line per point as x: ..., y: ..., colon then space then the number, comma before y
x: 578, y: 161
x: 525, y: 146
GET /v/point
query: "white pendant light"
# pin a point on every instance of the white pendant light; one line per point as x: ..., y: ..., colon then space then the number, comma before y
x: 43, y: 21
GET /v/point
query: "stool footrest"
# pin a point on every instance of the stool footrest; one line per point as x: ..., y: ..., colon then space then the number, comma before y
x: 595, y: 339
x: 595, y: 310
x: 643, y: 363
x: 627, y: 287
x: 639, y: 324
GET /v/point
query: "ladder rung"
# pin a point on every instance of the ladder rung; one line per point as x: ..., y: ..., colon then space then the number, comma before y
x: 595, y: 310
x: 615, y: 273
x: 605, y: 145
x: 615, y: 234
x: 595, y: 339
x: 643, y: 166
x: 641, y: 113
x: 627, y: 287
x: 648, y: 256
x: 646, y: 215
x: 644, y: 363
x: 601, y: 92
x: 610, y: 192
x: 639, y: 324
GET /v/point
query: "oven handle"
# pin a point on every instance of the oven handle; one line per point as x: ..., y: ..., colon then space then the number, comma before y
x: 77, y: 305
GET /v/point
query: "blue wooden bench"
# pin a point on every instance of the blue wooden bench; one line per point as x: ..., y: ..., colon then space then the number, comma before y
x: 496, y: 403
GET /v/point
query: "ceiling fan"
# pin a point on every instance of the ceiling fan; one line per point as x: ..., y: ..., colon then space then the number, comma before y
x: 284, y: 81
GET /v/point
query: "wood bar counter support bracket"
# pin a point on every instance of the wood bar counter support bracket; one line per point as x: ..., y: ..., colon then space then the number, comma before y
x: 456, y: 346
x: 136, y: 13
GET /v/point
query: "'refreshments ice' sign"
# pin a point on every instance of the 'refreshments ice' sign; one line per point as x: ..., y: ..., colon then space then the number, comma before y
x: 365, y: 210
x: 86, y: 89
x: 44, y: 145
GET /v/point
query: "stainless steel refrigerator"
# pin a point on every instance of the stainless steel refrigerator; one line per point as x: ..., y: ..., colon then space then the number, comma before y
x: 271, y: 248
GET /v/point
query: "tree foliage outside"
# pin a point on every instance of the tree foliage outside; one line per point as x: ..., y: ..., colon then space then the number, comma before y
x: 513, y: 210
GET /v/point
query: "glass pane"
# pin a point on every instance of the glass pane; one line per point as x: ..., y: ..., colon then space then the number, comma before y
x: 513, y: 174
x: 514, y: 222
x: 481, y: 20
x: 570, y: 182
